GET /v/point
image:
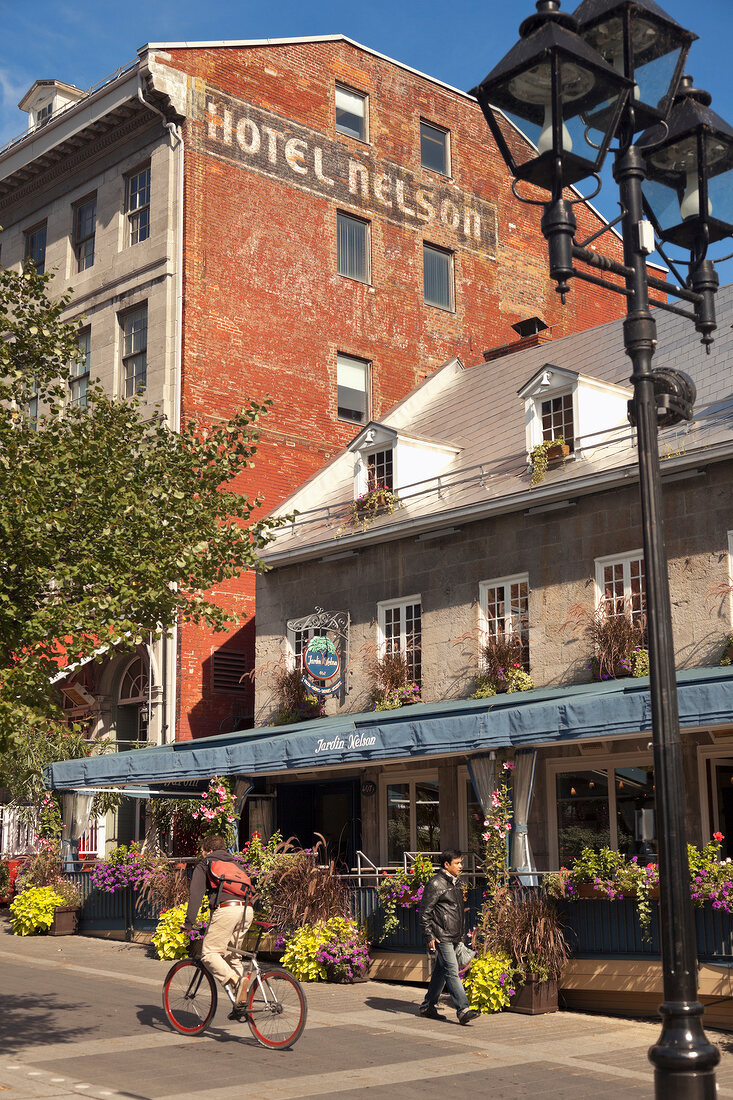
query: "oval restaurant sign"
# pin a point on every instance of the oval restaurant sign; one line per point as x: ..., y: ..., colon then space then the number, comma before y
x: 322, y: 663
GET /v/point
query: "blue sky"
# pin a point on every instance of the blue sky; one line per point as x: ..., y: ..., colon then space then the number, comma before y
x: 82, y: 42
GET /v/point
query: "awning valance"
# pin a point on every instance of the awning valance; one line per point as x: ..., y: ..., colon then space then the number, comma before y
x: 581, y: 712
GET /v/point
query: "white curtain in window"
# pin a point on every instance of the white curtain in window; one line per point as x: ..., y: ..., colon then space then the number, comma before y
x: 77, y: 810
x: 522, y: 860
x: 482, y: 770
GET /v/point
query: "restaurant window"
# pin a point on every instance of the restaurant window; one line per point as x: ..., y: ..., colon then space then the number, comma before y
x: 504, y: 605
x: 434, y: 148
x: 437, y: 276
x: 474, y: 822
x: 352, y: 385
x: 606, y: 807
x: 85, y: 226
x: 351, y: 113
x: 412, y: 817
x: 621, y: 586
x: 400, y: 631
x: 80, y: 370
x: 556, y: 416
x: 137, y: 205
x: 352, y: 247
x: 133, y: 702
x: 35, y: 247
x: 134, y: 350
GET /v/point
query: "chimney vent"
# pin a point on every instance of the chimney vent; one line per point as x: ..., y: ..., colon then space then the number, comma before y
x: 531, y: 332
x: 531, y: 327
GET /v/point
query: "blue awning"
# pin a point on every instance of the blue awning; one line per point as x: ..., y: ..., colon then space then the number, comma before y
x: 579, y: 713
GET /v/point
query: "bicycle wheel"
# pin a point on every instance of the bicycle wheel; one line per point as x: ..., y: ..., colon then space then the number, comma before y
x: 189, y: 997
x: 276, y: 1009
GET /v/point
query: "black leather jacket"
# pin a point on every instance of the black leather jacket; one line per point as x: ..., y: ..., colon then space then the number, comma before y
x: 442, y: 909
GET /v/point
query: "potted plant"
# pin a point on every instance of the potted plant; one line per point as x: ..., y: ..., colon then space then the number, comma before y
x: 51, y: 909
x: 617, y: 638
x: 403, y: 890
x: 375, y: 502
x: 296, y: 703
x: 524, y: 927
x: 726, y: 656
x: 394, y: 687
x: 334, y: 950
x: 542, y: 454
x: 502, y: 669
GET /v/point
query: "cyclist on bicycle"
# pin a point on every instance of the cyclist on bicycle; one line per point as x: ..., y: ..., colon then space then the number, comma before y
x: 230, y: 918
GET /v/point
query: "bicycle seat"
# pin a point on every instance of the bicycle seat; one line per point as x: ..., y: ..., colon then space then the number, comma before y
x: 265, y: 925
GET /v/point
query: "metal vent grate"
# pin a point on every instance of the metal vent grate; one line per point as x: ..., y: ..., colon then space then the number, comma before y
x: 228, y: 667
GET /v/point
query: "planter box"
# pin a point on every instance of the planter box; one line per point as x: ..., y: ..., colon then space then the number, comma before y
x: 65, y: 920
x: 535, y: 998
x: 558, y: 452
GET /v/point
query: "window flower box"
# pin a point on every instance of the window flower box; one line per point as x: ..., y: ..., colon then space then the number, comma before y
x: 557, y: 452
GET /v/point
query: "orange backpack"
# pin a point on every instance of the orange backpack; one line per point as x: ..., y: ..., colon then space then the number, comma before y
x: 228, y: 877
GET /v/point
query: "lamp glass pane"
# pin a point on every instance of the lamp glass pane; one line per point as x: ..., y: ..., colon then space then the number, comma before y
x: 655, y: 52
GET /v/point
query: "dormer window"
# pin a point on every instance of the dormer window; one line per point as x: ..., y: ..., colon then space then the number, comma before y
x: 380, y: 470
x: 556, y: 415
x: 44, y: 113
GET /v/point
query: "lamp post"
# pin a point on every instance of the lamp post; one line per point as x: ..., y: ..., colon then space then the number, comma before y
x: 573, y: 84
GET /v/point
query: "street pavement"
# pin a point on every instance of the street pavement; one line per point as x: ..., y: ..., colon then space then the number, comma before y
x: 83, y: 1017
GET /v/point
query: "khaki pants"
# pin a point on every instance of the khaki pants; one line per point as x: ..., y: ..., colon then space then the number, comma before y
x: 221, y: 950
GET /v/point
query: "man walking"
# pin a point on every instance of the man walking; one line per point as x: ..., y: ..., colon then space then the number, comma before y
x: 442, y: 919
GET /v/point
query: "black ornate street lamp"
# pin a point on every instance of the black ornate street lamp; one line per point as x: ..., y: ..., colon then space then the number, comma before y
x: 572, y: 84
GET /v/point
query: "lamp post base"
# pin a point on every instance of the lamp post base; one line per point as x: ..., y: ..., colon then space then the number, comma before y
x: 683, y: 1059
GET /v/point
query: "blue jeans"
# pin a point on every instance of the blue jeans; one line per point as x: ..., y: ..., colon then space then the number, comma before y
x: 445, y: 973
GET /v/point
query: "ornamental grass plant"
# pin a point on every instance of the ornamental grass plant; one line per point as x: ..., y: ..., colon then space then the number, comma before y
x: 393, y: 685
x: 502, y: 668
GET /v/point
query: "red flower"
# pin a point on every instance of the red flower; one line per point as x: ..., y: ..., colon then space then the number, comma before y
x: 718, y: 837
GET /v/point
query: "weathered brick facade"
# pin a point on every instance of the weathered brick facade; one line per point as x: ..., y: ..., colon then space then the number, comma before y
x: 265, y: 310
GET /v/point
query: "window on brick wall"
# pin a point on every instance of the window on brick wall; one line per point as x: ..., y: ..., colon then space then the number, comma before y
x: 352, y: 116
x: 438, y: 276
x: 35, y: 246
x: 352, y: 382
x: 434, y: 148
x: 137, y: 205
x: 85, y: 227
x: 134, y: 326
x: 352, y: 247
x: 400, y: 631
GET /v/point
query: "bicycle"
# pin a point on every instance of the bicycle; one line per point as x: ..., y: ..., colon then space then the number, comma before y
x: 274, y: 1006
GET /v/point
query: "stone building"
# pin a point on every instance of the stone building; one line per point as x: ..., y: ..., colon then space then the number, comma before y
x: 474, y: 552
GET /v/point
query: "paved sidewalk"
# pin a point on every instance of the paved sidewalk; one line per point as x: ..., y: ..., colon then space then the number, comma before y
x: 82, y: 1017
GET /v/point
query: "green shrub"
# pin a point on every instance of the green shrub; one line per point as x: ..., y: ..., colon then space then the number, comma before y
x: 301, y: 954
x: 31, y: 912
x: 489, y: 983
x: 169, y: 940
x: 4, y: 880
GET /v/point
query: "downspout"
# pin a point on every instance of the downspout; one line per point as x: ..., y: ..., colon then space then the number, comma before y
x: 168, y: 731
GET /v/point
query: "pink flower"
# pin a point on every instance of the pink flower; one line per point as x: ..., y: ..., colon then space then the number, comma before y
x: 718, y: 837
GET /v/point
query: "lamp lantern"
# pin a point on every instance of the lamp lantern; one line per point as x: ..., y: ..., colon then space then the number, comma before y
x: 642, y: 42
x: 561, y: 94
x: 688, y: 193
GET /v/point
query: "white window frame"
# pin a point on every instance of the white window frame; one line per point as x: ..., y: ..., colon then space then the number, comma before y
x: 624, y: 560
x: 450, y: 256
x: 95, y: 836
x: 393, y: 605
x: 720, y: 752
x: 81, y: 371
x: 554, y: 395
x: 464, y: 780
x: 12, y: 828
x: 308, y: 632
x: 364, y: 96
x: 730, y: 576
x: 485, y: 632
x: 602, y: 762
x: 387, y: 779
x: 447, y: 146
x: 134, y: 215
x: 84, y: 261
x: 347, y: 360
x: 128, y: 358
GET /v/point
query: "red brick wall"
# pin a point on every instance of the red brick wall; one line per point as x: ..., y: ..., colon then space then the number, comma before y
x: 265, y: 311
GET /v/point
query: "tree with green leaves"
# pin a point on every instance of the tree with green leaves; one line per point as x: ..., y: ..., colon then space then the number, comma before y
x: 112, y: 526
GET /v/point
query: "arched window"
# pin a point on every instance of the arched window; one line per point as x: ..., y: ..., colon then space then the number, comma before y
x: 134, y: 683
x: 132, y: 702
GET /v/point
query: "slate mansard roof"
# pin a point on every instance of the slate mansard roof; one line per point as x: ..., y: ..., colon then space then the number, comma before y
x: 478, y: 411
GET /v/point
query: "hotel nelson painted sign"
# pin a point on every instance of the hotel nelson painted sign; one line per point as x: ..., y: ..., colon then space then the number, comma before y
x: 273, y: 146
